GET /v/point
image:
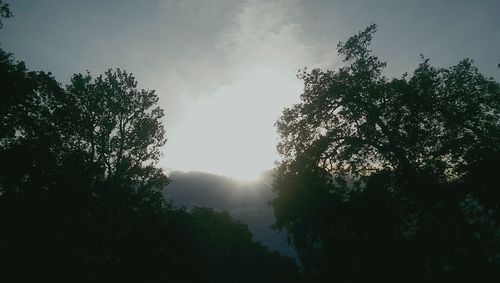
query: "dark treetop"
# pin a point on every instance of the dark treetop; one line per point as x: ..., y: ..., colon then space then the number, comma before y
x: 391, y: 179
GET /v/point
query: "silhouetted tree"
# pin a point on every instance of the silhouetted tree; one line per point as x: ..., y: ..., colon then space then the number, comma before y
x: 227, y: 252
x: 376, y: 176
x: 4, y: 11
x: 28, y: 136
x: 119, y: 128
x: 118, y: 125
x: 80, y: 191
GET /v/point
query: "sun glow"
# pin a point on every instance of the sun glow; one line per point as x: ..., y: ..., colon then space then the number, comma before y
x: 235, y: 93
x: 232, y: 132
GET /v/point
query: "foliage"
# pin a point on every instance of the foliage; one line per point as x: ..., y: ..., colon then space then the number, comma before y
x: 117, y: 124
x: 376, y: 176
x: 227, y: 252
x: 4, y: 11
x: 80, y: 192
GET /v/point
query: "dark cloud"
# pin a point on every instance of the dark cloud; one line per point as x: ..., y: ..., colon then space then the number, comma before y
x: 248, y: 202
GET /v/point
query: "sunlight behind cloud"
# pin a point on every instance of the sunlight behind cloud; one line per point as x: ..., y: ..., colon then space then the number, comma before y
x: 232, y: 132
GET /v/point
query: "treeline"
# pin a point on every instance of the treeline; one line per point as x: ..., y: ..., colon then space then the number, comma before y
x: 382, y: 179
x: 80, y: 190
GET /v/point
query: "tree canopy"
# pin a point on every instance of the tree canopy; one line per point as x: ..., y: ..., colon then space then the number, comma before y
x: 386, y: 179
x: 376, y: 175
x: 118, y: 124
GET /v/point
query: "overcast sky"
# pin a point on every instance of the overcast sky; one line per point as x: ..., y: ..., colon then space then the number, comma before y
x: 225, y: 69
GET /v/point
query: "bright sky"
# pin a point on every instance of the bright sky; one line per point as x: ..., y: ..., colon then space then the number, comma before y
x: 224, y: 69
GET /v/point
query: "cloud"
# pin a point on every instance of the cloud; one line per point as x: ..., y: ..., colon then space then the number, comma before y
x: 253, y: 76
x: 224, y: 70
x: 247, y: 202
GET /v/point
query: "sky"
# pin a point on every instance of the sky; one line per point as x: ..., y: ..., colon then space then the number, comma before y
x: 224, y: 70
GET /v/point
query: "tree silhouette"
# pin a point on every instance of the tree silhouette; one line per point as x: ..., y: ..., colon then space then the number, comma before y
x: 375, y: 180
x: 117, y: 124
x: 4, y: 12
x: 80, y: 191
